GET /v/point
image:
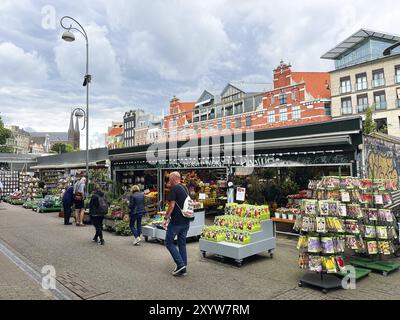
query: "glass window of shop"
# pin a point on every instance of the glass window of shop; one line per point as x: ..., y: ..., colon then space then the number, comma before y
x: 283, y: 114
x: 347, y: 107
x: 296, y: 113
x: 271, y: 116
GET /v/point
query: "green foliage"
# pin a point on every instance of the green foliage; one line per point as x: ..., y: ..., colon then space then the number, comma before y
x: 369, y: 124
x: 61, y: 147
x: 122, y: 228
x: 4, y: 135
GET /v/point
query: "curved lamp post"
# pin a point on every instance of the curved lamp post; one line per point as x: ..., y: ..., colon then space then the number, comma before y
x: 69, y: 37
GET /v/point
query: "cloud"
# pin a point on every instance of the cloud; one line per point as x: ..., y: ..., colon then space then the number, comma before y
x: 20, y: 67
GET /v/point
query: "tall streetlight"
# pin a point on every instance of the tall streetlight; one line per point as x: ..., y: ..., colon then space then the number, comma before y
x: 69, y: 37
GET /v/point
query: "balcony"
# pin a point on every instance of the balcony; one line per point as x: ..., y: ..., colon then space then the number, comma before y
x: 345, y: 89
x: 362, y: 108
x: 361, y: 85
x: 378, y: 82
x: 382, y: 105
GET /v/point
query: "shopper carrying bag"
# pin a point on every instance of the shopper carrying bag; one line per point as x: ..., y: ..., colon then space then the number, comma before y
x: 79, y: 200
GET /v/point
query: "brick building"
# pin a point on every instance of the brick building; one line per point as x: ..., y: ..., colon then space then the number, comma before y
x: 295, y: 98
x: 115, y: 135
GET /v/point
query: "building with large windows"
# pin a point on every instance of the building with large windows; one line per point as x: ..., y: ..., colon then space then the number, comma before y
x: 364, y: 78
x: 295, y: 98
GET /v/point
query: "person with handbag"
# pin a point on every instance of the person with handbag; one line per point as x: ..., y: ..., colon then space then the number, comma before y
x: 79, y: 200
x: 136, y: 212
x: 98, y: 208
x: 177, y: 224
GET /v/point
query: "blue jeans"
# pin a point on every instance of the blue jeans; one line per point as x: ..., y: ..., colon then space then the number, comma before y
x: 135, y: 218
x: 180, y: 231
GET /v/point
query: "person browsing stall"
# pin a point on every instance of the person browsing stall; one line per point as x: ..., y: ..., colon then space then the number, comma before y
x: 136, y: 212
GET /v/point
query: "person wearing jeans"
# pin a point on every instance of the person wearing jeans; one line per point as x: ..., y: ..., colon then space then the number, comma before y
x: 96, y: 215
x: 176, y: 224
x: 136, y: 212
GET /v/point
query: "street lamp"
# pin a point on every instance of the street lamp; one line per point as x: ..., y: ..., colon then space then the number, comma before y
x: 69, y: 37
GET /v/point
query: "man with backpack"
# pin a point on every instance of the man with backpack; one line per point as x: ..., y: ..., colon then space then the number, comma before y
x: 98, y: 208
x: 177, y: 220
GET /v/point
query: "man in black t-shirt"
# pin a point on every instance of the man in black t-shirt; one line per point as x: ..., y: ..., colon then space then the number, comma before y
x: 178, y: 225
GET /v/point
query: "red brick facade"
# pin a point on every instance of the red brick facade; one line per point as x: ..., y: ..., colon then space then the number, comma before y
x: 296, y: 98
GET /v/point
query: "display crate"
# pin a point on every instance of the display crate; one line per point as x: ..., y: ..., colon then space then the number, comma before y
x: 261, y: 241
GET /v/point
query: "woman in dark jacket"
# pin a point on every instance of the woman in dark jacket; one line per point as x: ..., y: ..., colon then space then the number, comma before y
x: 97, y: 210
x: 136, y: 212
x: 68, y: 200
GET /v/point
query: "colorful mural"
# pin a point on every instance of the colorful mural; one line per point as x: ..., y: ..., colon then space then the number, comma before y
x: 382, y: 159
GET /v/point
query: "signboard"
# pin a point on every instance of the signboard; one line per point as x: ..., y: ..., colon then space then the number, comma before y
x: 240, y: 194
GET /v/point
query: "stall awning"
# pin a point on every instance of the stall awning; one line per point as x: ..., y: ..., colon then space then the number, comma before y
x: 69, y: 165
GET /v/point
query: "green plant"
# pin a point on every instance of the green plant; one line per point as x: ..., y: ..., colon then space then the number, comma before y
x: 369, y: 124
x: 122, y: 228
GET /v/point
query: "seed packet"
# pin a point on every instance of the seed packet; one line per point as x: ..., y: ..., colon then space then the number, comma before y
x: 302, y: 243
x: 327, y: 246
x: 387, y: 199
x: 372, y: 247
x: 310, y: 207
x: 378, y: 199
x: 235, y: 236
x: 370, y: 231
x: 323, y: 207
x: 355, y: 196
x: 352, y: 226
x: 390, y: 185
x: 314, y: 246
x: 321, y: 224
x: 381, y: 232
x: 351, y: 242
x: 339, y: 225
x: 342, y: 210
x: 345, y: 195
x: 385, y: 215
x: 298, y: 223
x: 333, y: 208
x: 333, y: 195
x: 306, y: 223
x: 339, y: 244
x: 228, y: 235
x: 366, y: 184
x: 384, y: 247
x: 354, y: 211
x: 346, y: 183
x: 304, y: 261
x: 329, y: 264
x: 315, y: 263
x: 340, y: 264
x: 372, y: 214
x: 244, y: 238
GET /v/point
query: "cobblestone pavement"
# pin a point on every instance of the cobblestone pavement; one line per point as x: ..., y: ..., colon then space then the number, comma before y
x: 120, y: 270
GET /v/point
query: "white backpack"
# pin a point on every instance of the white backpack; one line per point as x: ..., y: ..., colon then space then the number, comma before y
x: 188, y: 206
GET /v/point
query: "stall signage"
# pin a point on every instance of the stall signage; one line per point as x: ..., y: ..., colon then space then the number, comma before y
x: 240, y: 194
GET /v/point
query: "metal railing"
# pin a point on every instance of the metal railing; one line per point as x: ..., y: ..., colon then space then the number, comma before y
x: 362, y: 108
x: 361, y: 85
x: 345, y: 89
x: 378, y: 82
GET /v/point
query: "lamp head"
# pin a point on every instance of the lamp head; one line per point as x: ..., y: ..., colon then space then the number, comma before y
x: 68, y: 36
x: 79, y: 114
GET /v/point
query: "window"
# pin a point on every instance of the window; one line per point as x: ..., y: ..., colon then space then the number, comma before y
x: 271, y: 116
x: 238, y: 123
x: 248, y: 121
x: 362, y: 103
x: 361, y: 81
x: 345, y: 85
x: 228, y: 110
x: 228, y: 123
x: 219, y: 124
x: 380, y: 100
x: 272, y: 100
x: 398, y: 98
x: 294, y: 95
x: 381, y: 125
x: 282, y: 98
x: 346, y: 106
x: 328, y: 109
x: 378, y: 77
x: 397, y: 74
x: 238, y: 108
x: 283, y: 115
x: 211, y: 126
x: 296, y: 113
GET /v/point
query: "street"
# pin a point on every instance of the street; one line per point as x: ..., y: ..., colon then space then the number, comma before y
x: 120, y: 270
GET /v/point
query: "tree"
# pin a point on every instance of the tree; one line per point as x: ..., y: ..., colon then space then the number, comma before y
x: 61, y: 147
x: 4, y: 135
x: 369, y: 124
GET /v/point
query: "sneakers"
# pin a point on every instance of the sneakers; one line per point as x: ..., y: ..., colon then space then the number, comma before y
x: 136, y: 241
x: 95, y: 240
x: 102, y: 242
x: 179, y: 271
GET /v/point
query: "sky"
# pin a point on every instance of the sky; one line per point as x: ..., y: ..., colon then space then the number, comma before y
x: 142, y: 53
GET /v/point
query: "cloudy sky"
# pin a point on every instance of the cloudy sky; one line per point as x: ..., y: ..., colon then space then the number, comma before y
x: 142, y: 53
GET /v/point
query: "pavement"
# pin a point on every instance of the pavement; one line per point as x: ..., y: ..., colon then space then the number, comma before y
x: 119, y: 270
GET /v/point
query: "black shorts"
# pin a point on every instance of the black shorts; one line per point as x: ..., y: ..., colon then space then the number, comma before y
x: 79, y: 204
